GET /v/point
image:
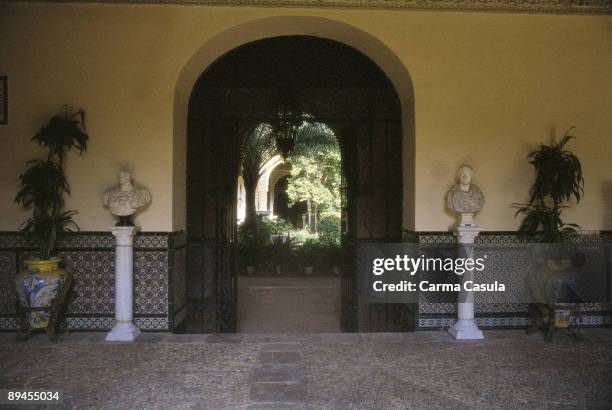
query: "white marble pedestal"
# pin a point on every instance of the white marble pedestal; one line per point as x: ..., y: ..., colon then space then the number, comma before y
x: 465, y: 327
x: 124, y: 329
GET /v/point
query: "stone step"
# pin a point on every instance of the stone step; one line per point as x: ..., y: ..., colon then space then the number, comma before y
x: 279, y: 373
x: 282, y: 357
x: 278, y: 392
x: 279, y: 377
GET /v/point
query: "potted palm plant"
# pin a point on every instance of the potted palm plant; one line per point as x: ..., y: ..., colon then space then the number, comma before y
x: 42, y: 189
x: 309, y: 255
x: 558, y: 180
x: 279, y: 254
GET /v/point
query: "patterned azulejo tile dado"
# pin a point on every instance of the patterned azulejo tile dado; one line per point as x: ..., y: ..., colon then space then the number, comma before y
x: 151, y: 282
x: 509, y: 253
x: 94, y: 281
x: 8, y: 323
x: 106, y: 323
x: 106, y: 240
x: 88, y: 241
x: 90, y: 257
x: 8, y: 271
x: 94, y: 240
x: 151, y: 241
x: 13, y: 240
x: 152, y: 323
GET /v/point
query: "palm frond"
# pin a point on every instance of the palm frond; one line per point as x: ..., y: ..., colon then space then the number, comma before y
x: 63, y: 133
x: 43, y: 185
x: 558, y: 172
x: 313, y: 136
x: 258, y: 148
x: 558, y: 179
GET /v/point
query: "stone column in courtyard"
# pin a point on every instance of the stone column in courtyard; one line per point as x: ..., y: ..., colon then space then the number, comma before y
x: 123, y: 201
x: 465, y: 327
x: 124, y: 328
x: 465, y: 199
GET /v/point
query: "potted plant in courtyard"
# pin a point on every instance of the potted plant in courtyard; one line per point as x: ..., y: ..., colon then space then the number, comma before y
x: 329, y: 234
x: 333, y: 257
x: 43, y: 286
x: 558, y: 180
x: 280, y: 253
x: 248, y: 250
x: 252, y: 242
x: 309, y: 255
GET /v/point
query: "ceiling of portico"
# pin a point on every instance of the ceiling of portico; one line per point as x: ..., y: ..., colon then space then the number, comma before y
x: 331, y: 81
x: 521, y: 6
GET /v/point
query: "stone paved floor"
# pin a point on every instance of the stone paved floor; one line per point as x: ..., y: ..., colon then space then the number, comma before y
x: 316, y: 371
x: 298, y: 304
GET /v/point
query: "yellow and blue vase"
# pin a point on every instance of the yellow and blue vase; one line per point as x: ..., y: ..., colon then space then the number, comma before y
x: 37, y: 287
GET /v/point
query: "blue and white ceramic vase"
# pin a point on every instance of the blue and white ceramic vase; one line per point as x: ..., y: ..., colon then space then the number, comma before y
x: 37, y: 287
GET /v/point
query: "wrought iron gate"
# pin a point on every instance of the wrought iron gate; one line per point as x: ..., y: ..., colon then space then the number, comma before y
x: 211, y: 233
x: 339, y: 86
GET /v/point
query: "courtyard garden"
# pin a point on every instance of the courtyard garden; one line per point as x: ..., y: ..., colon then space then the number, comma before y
x: 279, y: 248
x: 311, y: 244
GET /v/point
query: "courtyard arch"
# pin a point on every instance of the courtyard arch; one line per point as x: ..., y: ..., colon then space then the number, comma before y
x: 231, y: 38
x: 376, y: 152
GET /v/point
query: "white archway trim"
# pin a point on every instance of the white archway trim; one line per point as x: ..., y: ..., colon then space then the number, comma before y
x: 281, y: 170
x: 261, y: 193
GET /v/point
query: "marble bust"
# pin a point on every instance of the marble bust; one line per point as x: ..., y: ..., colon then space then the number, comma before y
x: 465, y: 197
x: 125, y: 199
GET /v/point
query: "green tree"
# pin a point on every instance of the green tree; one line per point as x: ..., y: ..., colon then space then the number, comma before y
x: 315, y: 173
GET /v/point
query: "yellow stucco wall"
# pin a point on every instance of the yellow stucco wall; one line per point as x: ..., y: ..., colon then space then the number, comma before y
x: 487, y: 88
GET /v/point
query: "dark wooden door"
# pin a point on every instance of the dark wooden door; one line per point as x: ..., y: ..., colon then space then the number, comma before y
x: 213, y: 158
x: 226, y: 272
x: 372, y: 205
x: 349, y: 297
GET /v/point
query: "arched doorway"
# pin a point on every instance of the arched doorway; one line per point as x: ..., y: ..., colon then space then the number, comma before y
x: 338, y: 86
x: 281, y: 208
